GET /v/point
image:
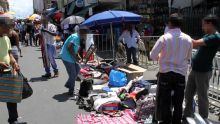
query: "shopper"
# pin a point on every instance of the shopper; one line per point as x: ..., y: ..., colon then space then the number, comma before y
x: 173, y: 50
x: 130, y: 38
x: 198, y: 80
x: 7, y: 60
x: 49, y: 33
x: 70, y: 57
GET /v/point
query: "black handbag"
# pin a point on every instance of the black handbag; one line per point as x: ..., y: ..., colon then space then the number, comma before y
x: 27, y: 90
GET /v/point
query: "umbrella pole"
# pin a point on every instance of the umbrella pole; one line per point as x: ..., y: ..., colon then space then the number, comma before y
x: 113, y: 46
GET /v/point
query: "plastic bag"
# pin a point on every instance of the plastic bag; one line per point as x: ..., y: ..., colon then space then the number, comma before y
x: 117, y: 79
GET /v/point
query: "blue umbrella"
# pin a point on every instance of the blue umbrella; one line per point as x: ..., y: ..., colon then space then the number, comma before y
x: 111, y: 17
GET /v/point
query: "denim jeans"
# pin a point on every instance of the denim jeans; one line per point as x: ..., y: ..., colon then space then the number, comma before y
x: 73, y: 70
x: 170, y: 94
x: 51, y: 51
x: 132, y: 52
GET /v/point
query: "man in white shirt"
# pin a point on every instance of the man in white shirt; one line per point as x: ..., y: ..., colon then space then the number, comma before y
x: 49, y: 33
x: 173, y: 50
x: 130, y: 37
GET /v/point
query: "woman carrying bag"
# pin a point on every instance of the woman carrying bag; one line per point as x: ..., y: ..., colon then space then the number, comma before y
x: 7, y: 61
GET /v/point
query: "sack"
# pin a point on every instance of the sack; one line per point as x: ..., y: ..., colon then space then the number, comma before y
x: 11, y: 87
x: 27, y: 90
x: 85, y: 87
x: 117, y: 79
x: 107, y: 104
x: 145, y: 107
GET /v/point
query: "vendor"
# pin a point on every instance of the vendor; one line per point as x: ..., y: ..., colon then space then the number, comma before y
x: 130, y: 38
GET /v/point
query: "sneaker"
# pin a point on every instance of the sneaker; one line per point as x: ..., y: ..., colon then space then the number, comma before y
x: 56, y: 74
x: 46, y: 76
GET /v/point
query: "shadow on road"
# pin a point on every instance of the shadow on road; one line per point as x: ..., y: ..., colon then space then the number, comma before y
x: 37, y: 79
x: 61, y: 97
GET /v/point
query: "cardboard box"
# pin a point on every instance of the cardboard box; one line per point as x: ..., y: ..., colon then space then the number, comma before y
x: 132, y: 71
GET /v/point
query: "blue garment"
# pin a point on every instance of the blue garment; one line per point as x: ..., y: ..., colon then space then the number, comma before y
x: 73, y: 70
x: 51, y: 50
x: 65, y: 55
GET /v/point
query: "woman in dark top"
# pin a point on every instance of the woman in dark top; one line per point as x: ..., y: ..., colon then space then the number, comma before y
x: 14, y: 39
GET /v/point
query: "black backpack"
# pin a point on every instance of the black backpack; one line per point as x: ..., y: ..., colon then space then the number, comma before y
x: 85, y: 87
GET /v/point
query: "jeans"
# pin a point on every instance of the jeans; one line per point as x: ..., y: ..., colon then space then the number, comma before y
x: 132, y: 52
x: 51, y: 51
x: 73, y: 70
x: 170, y: 94
x: 12, y: 112
x: 198, y: 82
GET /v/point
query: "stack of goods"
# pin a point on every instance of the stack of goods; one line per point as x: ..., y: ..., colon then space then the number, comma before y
x: 112, y: 100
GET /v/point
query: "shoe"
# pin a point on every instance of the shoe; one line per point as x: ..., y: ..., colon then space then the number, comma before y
x: 16, y: 122
x: 56, y: 74
x: 70, y: 93
x: 46, y: 76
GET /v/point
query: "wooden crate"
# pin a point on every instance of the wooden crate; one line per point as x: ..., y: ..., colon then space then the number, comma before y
x: 132, y: 71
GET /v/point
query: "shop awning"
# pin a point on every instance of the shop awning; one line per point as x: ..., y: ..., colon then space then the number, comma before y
x: 85, y: 10
x: 180, y: 4
x: 72, y: 7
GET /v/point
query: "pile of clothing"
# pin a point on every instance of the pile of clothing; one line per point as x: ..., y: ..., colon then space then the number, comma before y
x: 110, y: 99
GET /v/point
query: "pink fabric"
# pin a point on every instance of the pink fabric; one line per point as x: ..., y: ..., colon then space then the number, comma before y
x: 127, y: 118
x: 173, y: 50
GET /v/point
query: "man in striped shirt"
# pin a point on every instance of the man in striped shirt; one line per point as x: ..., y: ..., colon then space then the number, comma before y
x: 173, y: 50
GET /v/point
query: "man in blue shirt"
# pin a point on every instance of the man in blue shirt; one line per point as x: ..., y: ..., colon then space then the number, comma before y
x: 70, y: 58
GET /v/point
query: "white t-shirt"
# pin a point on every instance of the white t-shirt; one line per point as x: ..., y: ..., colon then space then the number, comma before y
x: 131, y: 41
x: 50, y: 39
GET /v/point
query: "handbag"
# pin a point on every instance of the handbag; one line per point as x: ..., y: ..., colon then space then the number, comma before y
x: 11, y: 87
x: 145, y: 107
x: 27, y: 90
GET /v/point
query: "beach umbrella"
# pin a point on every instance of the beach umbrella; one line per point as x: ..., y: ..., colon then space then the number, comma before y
x: 34, y: 17
x: 72, y: 20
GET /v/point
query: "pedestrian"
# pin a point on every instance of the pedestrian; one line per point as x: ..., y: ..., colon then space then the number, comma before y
x: 198, y: 80
x: 6, y: 61
x: 37, y: 28
x: 49, y: 33
x: 15, y: 47
x: 130, y: 38
x: 71, y: 59
x: 23, y: 32
x: 30, y: 32
x: 173, y: 50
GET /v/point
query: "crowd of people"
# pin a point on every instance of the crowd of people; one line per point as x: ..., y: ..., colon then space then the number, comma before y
x: 172, y: 50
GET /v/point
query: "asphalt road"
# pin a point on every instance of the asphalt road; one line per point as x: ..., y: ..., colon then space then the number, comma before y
x: 49, y: 104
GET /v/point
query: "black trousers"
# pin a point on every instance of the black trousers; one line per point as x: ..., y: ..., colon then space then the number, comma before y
x: 170, y: 95
x: 12, y: 112
x: 132, y: 52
